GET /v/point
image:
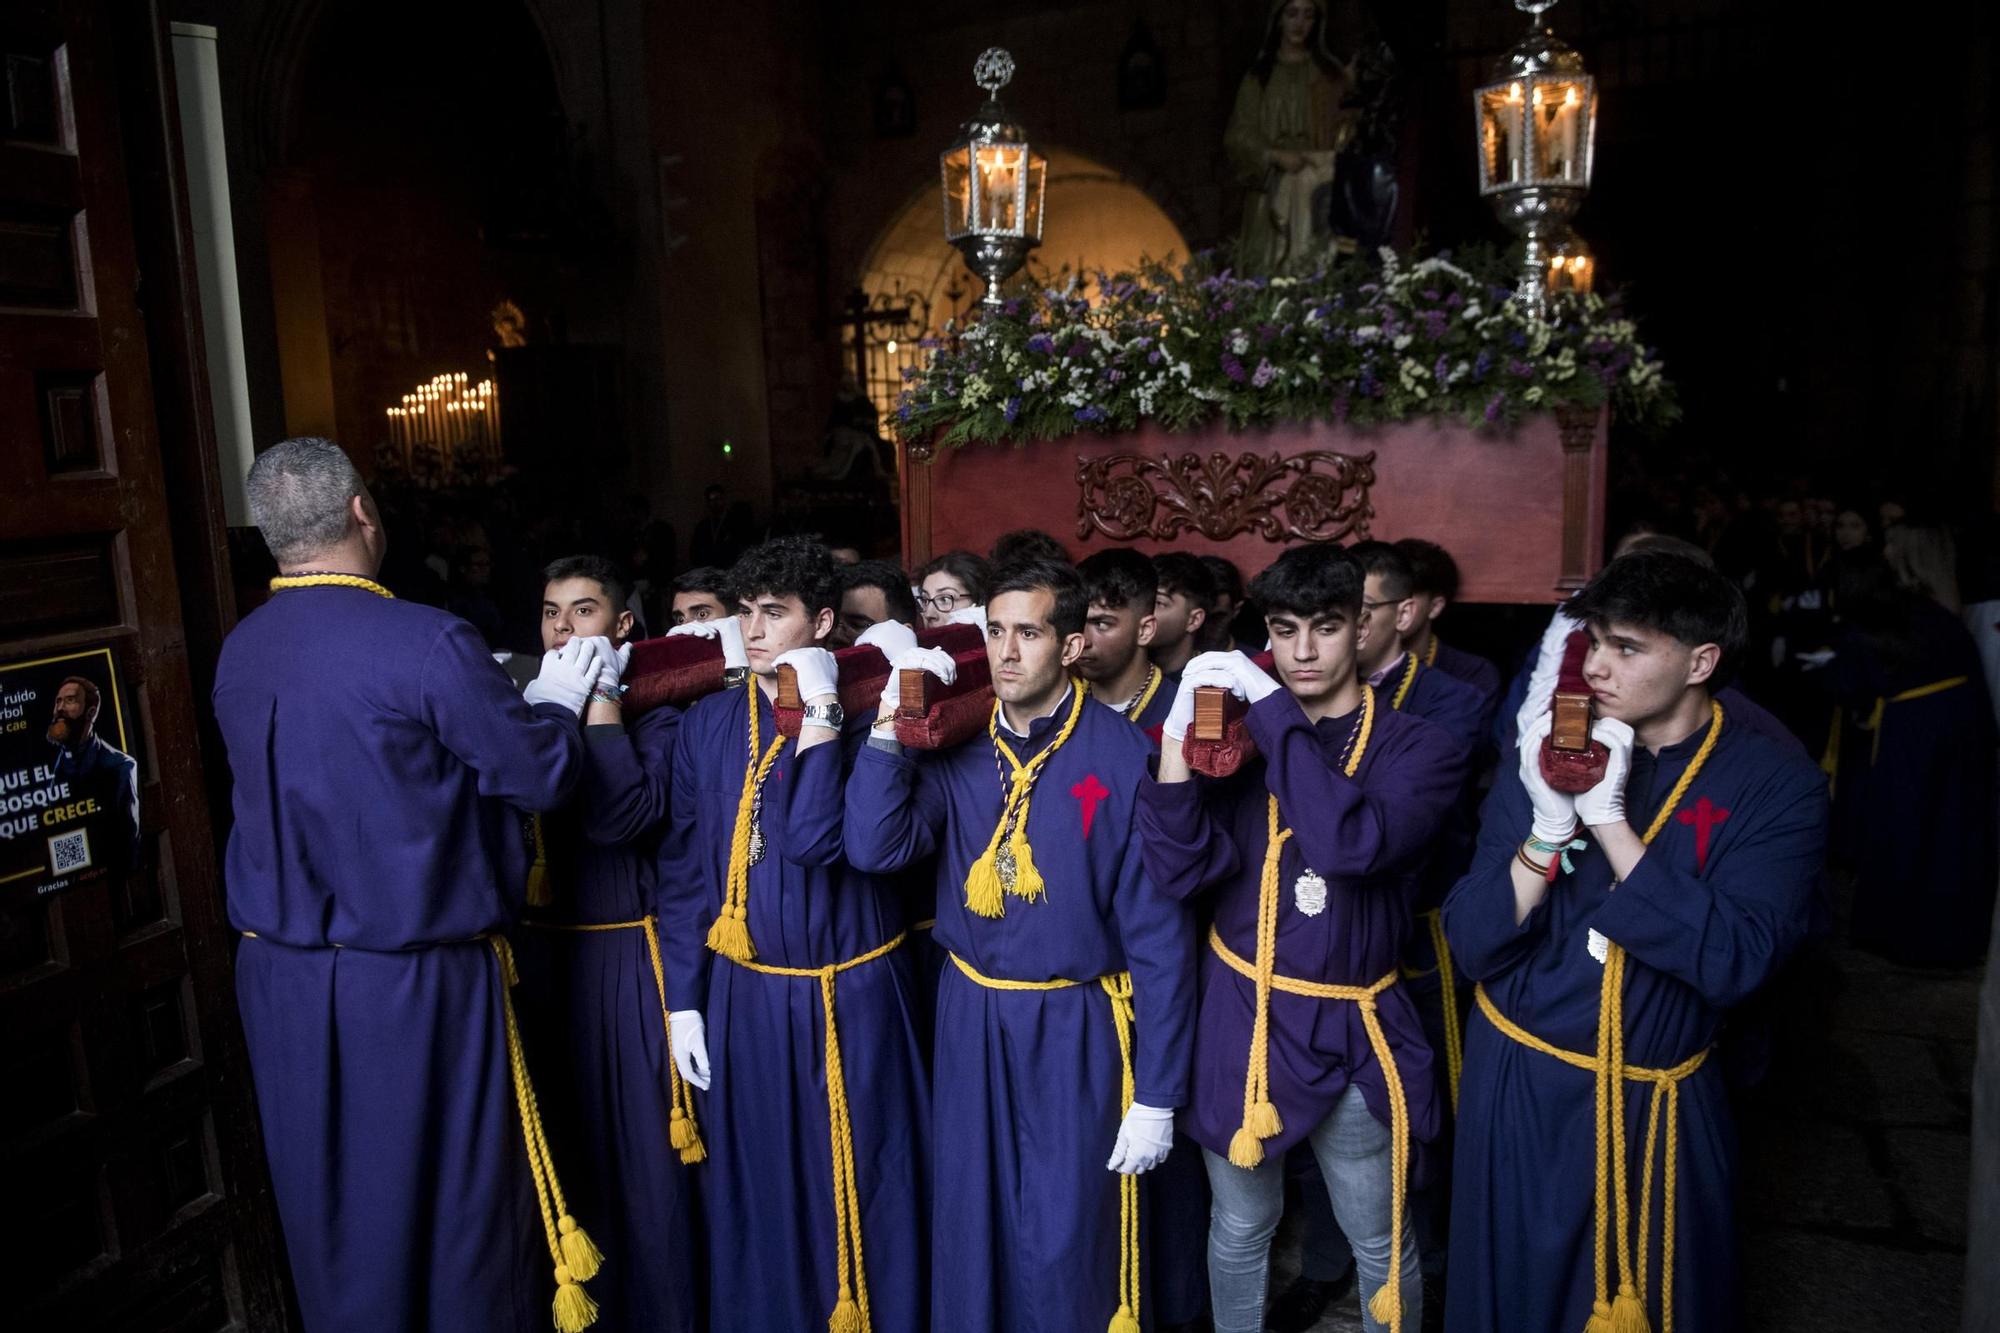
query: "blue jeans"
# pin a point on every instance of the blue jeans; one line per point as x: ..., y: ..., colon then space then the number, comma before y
x: 1353, y: 1151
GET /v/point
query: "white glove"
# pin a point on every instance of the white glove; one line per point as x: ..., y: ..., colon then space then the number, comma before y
x: 1548, y: 666
x: 1234, y: 671
x: 815, y: 669
x: 891, y: 636
x: 567, y: 674
x: 1145, y: 1137
x: 1181, y: 716
x: 689, y: 1036
x: 1555, y: 811
x: 610, y: 666
x: 1605, y: 803
x: 934, y: 660
x: 728, y: 629
x: 968, y: 615
x: 612, y: 673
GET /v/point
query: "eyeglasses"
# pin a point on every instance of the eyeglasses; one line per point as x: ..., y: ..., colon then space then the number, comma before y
x: 946, y: 602
x: 1370, y: 608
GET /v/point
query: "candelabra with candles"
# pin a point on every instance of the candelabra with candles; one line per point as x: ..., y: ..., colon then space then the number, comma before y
x: 993, y: 185
x: 448, y: 426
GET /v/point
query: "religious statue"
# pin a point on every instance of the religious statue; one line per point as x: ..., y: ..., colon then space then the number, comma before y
x: 1284, y: 134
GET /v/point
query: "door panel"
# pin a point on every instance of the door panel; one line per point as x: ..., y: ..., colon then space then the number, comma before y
x: 126, y: 1127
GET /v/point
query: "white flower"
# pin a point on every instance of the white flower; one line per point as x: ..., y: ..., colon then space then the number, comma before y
x: 1533, y: 395
x: 1367, y: 333
x: 1239, y: 341
x: 1403, y: 340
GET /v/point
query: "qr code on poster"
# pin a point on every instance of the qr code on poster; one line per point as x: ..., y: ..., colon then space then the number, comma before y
x: 69, y: 851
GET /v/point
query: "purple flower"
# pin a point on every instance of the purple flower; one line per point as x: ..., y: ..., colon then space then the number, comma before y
x: 1264, y: 374
x: 1077, y: 349
x: 1482, y: 363
x: 1113, y: 374
x: 1434, y: 323
x: 1091, y: 413
x: 1153, y: 357
x: 1454, y: 301
x: 1432, y: 294
x: 1012, y: 307
x: 1370, y: 387
x: 1011, y: 408
x: 1442, y: 371
x: 1043, y: 344
x: 1519, y: 369
x: 1266, y: 332
x: 1232, y: 367
x: 1493, y: 406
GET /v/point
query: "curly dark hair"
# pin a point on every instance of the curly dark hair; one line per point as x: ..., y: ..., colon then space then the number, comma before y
x: 1181, y: 572
x: 1310, y: 582
x: 1052, y: 576
x: 1666, y: 591
x: 1120, y: 578
x: 617, y: 588
x: 1388, y: 564
x: 789, y: 567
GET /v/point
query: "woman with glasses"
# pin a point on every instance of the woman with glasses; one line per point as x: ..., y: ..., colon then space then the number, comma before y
x: 952, y: 582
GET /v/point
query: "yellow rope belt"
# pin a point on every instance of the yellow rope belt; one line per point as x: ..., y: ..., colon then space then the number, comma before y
x: 682, y: 1131
x: 1118, y: 986
x: 576, y: 1256
x: 1666, y: 1089
x: 850, y: 1309
x: 1830, y: 758
x: 1399, y: 1110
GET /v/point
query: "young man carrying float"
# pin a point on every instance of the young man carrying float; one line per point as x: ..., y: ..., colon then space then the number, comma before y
x: 1434, y: 585
x: 1117, y: 628
x: 591, y: 963
x: 816, y: 1120
x: 1610, y: 934
x: 1304, y: 1034
x: 1121, y: 589
x: 1062, y: 1019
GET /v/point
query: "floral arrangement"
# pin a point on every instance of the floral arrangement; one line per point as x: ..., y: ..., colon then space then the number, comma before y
x: 1353, y: 343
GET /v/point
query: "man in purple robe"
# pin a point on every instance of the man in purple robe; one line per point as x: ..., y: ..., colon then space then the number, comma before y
x: 1434, y: 586
x: 1304, y: 1033
x: 593, y: 1005
x: 377, y: 750
x: 1117, y: 629
x: 791, y: 992
x: 1610, y: 935
x: 1062, y: 1019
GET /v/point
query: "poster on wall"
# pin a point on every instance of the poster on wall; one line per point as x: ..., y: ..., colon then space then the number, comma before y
x: 69, y: 787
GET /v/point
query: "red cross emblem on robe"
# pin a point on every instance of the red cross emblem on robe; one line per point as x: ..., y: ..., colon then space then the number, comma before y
x: 1704, y: 817
x: 1088, y: 793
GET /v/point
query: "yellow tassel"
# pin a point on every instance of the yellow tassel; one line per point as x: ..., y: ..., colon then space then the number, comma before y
x: 1600, y: 1318
x: 680, y: 1130
x: 538, y: 886
x: 695, y: 1152
x: 730, y: 935
x: 1245, y: 1149
x: 1386, y: 1305
x: 580, y: 1253
x: 982, y: 888
x: 1628, y: 1312
x: 1027, y: 880
x: 1264, y: 1121
x: 846, y: 1317
x: 1124, y: 1321
x: 575, y: 1311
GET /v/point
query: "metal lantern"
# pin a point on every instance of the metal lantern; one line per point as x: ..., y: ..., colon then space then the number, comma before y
x: 993, y: 182
x: 1537, y: 127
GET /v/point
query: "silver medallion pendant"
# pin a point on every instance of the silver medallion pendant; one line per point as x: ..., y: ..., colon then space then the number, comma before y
x: 756, y: 843
x: 1599, y: 947
x: 1005, y: 867
x: 1309, y: 893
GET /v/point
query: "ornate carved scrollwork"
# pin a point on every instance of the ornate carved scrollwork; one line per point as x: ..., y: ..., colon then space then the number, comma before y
x: 1317, y: 496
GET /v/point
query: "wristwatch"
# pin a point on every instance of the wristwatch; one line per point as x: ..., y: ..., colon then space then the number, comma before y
x: 823, y: 715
